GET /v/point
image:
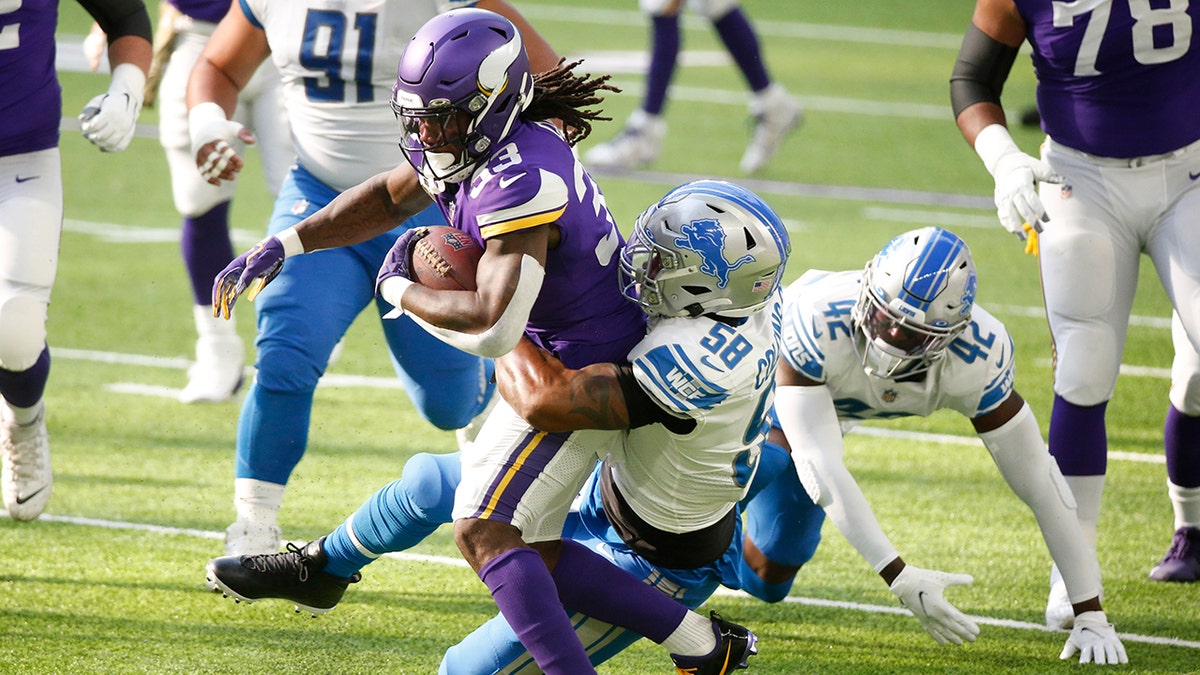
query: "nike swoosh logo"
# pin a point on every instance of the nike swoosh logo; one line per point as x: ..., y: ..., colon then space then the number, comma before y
x: 705, y: 361
x: 921, y: 600
x: 815, y: 332
x: 31, y: 495
x: 23, y: 179
x: 509, y: 180
x: 1191, y: 175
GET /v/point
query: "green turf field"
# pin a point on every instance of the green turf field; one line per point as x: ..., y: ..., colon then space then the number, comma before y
x: 110, y: 580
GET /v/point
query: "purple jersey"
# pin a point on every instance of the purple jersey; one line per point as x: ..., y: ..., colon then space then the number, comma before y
x: 534, y: 179
x: 30, y: 96
x: 1117, y: 79
x: 202, y: 10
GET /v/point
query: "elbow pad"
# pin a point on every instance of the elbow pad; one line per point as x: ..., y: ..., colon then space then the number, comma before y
x: 503, y: 335
x: 979, y: 73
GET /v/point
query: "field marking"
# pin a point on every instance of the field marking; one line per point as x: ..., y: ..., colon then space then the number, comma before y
x: 458, y: 562
x: 373, y: 382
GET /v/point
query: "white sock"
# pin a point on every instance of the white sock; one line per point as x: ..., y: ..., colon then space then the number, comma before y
x: 256, y: 500
x: 693, y: 637
x: 1087, y: 491
x: 26, y: 416
x: 1186, y: 502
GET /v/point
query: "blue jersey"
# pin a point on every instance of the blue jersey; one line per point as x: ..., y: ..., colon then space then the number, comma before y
x: 533, y: 178
x: 1117, y: 78
x: 30, y: 96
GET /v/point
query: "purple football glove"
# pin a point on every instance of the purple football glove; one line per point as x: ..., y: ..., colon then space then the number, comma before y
x: 253, y: 269
x: 398, y: 262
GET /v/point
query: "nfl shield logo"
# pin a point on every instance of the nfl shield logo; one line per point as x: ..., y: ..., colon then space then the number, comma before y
x: 889, y: 395
x: 1065, y: 193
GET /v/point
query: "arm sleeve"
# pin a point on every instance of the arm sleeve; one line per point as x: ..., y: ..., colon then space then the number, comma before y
x: 643, y: 409
x: 1024, y: 461
x: 503, y: 335
x: 810, y: 422
x: 981, y: 69
x: 120, y: 18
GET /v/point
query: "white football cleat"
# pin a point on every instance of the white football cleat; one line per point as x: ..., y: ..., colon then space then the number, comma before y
x: 638, y: 144
x: 1060, y: 615
x: 26, y: 474
x: 775, y: 115
x: 248, y: 537
x: 220, y: 363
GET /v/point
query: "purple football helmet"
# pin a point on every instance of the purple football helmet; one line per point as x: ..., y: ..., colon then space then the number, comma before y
x: 461, y: 84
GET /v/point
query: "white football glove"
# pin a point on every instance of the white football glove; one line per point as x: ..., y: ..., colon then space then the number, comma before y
x: 1095, y: 639
x: 920, y: 591
x: 109, y: 120
x: 1017, y: 176
x: 216, y: 142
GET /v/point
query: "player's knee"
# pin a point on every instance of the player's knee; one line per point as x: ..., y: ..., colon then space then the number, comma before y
x: 768, y: 591
x: 284, y: 367
x: 1082, y: 393
x: 22, y: 332
x: 429, y: 481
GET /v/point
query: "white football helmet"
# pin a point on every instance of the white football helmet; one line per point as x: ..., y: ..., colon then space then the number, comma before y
x: 707, y: 247
x: 915, y: 299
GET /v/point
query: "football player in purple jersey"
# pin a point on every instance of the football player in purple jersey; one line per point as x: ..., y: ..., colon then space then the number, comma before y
x: 1118, y: 176
x: 31, y: 210
x: 480, y: 142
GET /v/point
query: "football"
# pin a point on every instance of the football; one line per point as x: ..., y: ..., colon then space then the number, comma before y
x: 445, y: 259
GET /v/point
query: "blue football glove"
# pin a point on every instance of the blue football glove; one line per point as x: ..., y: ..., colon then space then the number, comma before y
x: 251, y: 270
x: 398, y: 262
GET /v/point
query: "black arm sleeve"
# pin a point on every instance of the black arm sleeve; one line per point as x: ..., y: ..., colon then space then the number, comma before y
x: 979, y: 73
x: 120, y: 18
x: 644, y: 410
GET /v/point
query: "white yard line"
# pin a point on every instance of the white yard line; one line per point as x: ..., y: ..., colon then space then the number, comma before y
x: 458, y: 562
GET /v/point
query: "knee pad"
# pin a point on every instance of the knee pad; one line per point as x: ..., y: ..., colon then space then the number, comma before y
x: 1087, y: 364
x: 22, y: 332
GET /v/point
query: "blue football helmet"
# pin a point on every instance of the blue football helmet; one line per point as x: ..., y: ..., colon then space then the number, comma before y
x: 462, y: 82
x: 915, y: 298
x: 707, y: 247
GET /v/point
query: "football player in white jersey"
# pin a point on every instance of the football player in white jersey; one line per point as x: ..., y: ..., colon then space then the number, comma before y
x: 337, y: 60
x: 705, y: 264
x: 205, y: 241
x: 905, y: 337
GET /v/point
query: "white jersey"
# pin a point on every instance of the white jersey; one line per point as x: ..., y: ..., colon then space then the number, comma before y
x: 720, y: 376
x: 338, y: 62
x: 973, y: 376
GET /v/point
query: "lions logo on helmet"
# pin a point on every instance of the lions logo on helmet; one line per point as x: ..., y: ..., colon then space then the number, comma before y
x: 916, y: 298
x: 707, y: 247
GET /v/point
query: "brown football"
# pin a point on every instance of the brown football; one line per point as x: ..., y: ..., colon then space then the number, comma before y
x: 445, y: 259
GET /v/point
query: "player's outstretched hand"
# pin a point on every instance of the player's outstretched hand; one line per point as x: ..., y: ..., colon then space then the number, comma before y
x: 251, y: 270
x: 920, y: 591
x: 109, y: 120
x: 1017, y: 203
x: 398, y: 262
x: 1095, y: 640
x: 216, y: 142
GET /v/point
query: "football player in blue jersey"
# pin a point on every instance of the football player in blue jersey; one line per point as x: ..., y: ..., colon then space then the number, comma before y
x: 704, y: 263
x: 479, y: 142
x: 31, y: 211
x: 905, y: 337
x: 1117, y: 177
x: 343, y: 132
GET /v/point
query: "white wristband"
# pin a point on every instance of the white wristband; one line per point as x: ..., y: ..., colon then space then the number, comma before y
x: 993, y: 143
x: 290, y: 239
x: 392, y: 289
x: 203, y: 114
x: 128, y: 79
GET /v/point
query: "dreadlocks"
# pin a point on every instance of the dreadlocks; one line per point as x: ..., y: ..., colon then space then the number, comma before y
x: 560, y: 94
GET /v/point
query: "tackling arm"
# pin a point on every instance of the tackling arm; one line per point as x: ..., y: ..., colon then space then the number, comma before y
x: 552, y: 397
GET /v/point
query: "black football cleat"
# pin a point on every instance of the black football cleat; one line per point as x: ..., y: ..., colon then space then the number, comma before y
x: 294, y: 575
x: 735, y: 645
